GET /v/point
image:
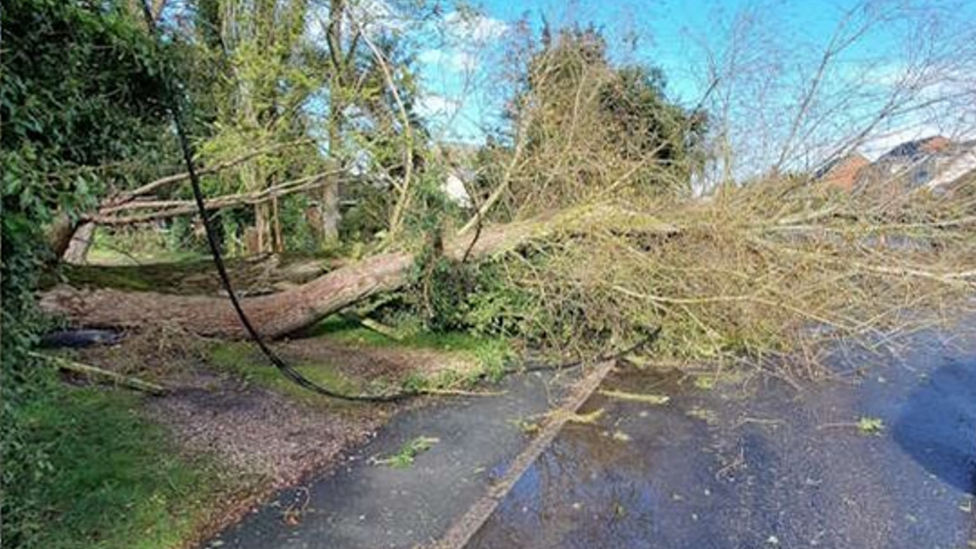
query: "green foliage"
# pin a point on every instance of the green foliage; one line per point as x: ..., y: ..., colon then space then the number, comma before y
x: 78, y: 94
x: 442, y: 293
x: 583, y: 127
x: 351, y: 332
x: 79, y: 101
x: 369, y: 216
x: 650, y: 125
x: 631, y: 98
x: 97, y: 489
x: 495, y: 308
x: 408, y: 453
x: 243, y: 360
x: 24, y: 461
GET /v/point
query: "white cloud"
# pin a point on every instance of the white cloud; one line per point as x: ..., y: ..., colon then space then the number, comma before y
x: 476, y: 28
x: 373, y: 16
x: 435, y: 105
x: 449, y: 60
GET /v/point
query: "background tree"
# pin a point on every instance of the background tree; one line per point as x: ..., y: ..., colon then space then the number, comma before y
x: 581, y: 126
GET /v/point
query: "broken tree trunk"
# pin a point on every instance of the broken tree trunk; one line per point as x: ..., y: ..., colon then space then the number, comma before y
x: 79, y: 245
x: 274, y: 315
x: 60, y: 233
x: 277, y: 315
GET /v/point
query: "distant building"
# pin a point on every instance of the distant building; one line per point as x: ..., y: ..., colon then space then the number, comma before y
x: 918, y: 148
x: 932, y: 162
x: 843, y: 173
x: 458, y: 159
x: 936, y: 163
x: 961, y: 166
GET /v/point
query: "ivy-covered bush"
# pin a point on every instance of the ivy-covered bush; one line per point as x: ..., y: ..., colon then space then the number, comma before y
x: 78, y: 99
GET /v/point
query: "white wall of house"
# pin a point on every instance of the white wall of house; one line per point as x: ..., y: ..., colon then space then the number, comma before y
x: 454, y: 187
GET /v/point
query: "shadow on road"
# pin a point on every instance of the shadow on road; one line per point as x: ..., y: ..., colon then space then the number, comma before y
x: 937, y: 427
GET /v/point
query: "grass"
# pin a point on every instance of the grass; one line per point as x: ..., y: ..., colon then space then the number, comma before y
x: 491, y: 355
x: 408, y: 452
x: 347, y: 330
x: 135, y: 248
x: 115, y: 479
x: 240, y: 359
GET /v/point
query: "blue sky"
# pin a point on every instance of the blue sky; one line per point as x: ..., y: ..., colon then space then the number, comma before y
x: 669, y: 33
x: 462, y: 92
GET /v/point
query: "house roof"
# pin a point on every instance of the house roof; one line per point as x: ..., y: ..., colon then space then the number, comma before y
x: 843, y: 172
x: 929, y: 145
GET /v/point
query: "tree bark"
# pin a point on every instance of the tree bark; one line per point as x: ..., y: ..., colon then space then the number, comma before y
x: 274, y: 315
x: 329, y: 215
x: 59, y: 235
x: 329, y: 196
x: 80, y: 243
x: 262, y: 226
x: 280, y: 314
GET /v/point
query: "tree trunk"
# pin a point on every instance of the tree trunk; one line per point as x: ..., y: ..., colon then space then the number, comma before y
x: 329, y: 197
x: 330, y: 215
x: 79, y: 245
x: 280, y: 314
x: 262, y: 227
x: 279, y: 240
x: 274, y: 315
x: 59, y: 235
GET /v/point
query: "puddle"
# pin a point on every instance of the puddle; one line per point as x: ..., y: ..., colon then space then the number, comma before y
x: 758, y: 464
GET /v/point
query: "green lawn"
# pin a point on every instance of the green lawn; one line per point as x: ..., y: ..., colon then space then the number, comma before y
x: 245, y: 361
x: 115, y: 480
x: 489, y: 355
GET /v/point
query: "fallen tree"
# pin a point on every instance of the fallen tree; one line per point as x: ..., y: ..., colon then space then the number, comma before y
x: 279, y: 314
x: 767, y: 270
x: 746, y: 274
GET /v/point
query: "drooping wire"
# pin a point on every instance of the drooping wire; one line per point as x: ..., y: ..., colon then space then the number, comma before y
x: 173, y: 104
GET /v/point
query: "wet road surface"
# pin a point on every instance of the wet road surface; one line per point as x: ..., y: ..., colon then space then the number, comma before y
x: 366, y: 505
x: 744, y: 462
x: 759, y: 464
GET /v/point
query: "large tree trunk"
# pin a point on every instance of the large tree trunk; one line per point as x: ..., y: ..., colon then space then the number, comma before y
x: 274, y: 315
x: 81, y: 242
x: 59, y: 235
x: 329, y: 196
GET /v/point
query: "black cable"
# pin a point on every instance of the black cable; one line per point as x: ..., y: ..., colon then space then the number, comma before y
x: 186, y: 147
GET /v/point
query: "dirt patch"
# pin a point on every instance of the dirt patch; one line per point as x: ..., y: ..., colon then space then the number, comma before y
x: 258, y: 432
x: 263, y: 440
x: 251, y: 429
